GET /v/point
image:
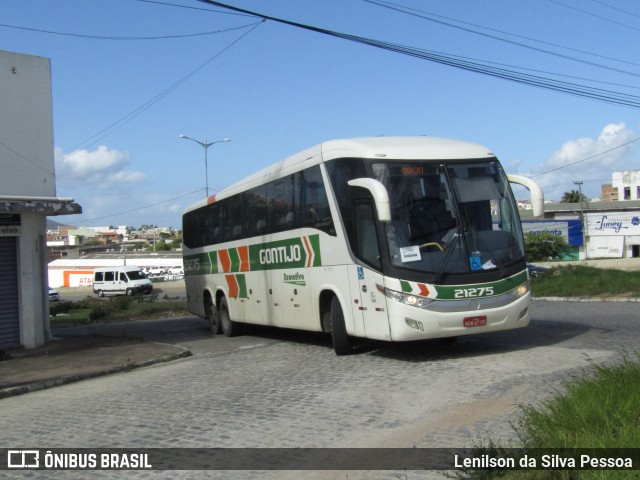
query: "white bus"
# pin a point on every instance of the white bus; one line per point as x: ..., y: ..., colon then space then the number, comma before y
x: 386, y: 238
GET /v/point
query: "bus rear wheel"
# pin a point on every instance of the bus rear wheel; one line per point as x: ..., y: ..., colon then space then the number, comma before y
x: 229, y: 327
x: 341, y: 340
x: 210, y: 315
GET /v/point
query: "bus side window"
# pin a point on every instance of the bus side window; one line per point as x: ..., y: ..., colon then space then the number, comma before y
x: 314, y: 205
x: 256, y: 211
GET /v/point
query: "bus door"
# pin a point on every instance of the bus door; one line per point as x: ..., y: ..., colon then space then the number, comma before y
x: 368, y: 303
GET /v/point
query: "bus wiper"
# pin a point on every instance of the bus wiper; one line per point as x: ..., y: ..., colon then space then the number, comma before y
x: 447, y: 256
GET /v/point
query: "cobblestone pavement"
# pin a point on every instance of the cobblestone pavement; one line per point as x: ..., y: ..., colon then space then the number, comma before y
x: 274, y: 388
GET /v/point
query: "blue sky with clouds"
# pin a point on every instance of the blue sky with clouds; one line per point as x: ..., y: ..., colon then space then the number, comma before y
x: 130, y: 76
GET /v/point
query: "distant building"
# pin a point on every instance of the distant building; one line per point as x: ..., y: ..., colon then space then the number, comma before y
x: 600, y: 229
x: 626, y: 185
x: 608, y: 193
x: 27, y: 197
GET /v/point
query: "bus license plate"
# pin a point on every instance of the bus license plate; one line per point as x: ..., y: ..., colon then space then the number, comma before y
x: 475, y: 321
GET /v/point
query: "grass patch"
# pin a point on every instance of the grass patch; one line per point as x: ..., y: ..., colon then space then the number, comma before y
x: 79, y: 315
x: 598, y: 410
x: 115, y: 309
x: 595, y: 411
x: 584, y: 281
x: 141, y: 311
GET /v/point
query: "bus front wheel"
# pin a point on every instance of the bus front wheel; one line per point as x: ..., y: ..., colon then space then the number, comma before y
x: 341, y: 340
x: 229, y: 327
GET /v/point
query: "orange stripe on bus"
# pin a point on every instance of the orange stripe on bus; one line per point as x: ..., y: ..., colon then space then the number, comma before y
x: 225, y: 261
x: 233, y: 286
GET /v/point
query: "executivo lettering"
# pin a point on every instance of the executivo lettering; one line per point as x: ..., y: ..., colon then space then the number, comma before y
x: 295, y: 279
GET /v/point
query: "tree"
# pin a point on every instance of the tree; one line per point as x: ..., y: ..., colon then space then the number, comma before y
x: 574, y: 196
x: 544, y: 246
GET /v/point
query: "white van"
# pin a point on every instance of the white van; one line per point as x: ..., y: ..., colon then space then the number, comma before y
x: 125, y: 280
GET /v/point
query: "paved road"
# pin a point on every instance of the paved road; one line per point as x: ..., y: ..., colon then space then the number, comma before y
x: 277, y: 388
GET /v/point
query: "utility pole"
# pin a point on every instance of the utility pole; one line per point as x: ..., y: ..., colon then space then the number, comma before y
x: 582, y: 222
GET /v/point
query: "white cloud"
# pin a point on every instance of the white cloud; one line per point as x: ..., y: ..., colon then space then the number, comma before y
x: 102, y: 168
x: 591, y: 160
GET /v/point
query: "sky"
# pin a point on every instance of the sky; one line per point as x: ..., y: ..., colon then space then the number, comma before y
x: 130, y: 76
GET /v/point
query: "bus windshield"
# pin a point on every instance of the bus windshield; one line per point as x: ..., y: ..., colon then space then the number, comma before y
x: 450, y: 218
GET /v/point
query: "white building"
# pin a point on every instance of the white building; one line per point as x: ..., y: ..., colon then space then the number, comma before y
x: 627, y: 184
x: 27, y: 197
x: 601, y: 229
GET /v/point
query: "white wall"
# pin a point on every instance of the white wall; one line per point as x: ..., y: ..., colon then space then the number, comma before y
x: 26, y: 135
x: 34, y: 299
x: 630, y: 179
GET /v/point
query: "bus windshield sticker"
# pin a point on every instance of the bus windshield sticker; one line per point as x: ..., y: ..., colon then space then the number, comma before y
x: 475, y: 262
x: 488, y: 265
x: 410, y: 254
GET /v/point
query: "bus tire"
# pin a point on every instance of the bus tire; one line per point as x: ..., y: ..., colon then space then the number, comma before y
x: 100, y: 293
x: 129, y: 292
x: 229, y: 327
x: 211, y: 316
x: 341, y: 340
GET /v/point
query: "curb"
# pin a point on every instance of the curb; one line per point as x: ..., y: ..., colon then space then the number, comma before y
x: 55, y: 382
x: 587, y: 300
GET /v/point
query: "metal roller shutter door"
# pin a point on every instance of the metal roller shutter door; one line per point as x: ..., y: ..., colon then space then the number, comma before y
x: 9, y: 308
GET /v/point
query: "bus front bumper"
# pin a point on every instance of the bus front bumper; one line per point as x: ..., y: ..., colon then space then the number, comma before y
x: 455, y: 318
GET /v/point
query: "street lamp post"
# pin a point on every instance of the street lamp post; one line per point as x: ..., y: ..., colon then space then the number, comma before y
x: 582, y: 222
x: 206, y: 146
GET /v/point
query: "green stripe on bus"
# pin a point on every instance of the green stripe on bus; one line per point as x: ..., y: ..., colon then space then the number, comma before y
x: 235, y: 259
x: 289, y: 253
x: 314, y: 240
x: 489, y: 289
x: 213, y: 262
x: 242, y: 286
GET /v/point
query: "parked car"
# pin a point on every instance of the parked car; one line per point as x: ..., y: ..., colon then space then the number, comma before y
x: 54, y: 296
x: 176, y: 271
x: 156, y: 271
x: 536, y: 270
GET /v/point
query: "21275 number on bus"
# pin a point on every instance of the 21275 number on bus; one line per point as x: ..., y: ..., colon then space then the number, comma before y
x: 473, y: 292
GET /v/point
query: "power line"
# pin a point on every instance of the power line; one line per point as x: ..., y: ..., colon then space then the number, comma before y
x: 140, y: 208
x: 585, y: 159
x: 189, y: 7
x: 616, y: 8
x: 429, y: 17
x: 601, y: 17
x: 105, y: 37
x: 131, y: 115
x: 579, y: 90
x: 26, y: 159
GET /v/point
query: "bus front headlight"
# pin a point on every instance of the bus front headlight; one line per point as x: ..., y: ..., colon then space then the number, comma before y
x: 406, y: 298
x: 521, y: 290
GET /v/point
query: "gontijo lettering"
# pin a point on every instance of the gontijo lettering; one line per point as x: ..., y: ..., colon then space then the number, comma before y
x: 283, y: 254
